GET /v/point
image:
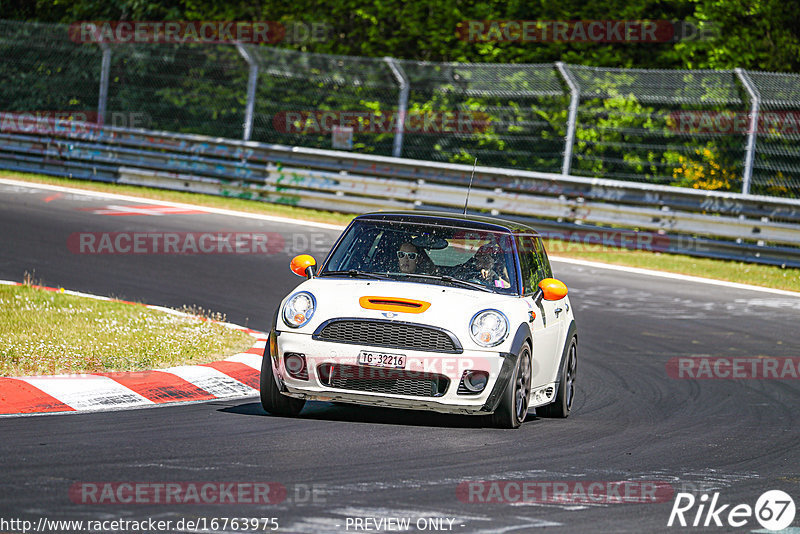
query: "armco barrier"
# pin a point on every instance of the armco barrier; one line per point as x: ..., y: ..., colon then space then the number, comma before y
x: 703, y: 223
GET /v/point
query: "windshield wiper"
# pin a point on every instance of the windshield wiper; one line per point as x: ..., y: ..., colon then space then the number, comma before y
x: 450, y: 279
x: 359, y: 274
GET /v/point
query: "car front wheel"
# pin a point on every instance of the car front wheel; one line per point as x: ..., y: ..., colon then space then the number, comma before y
x: 272, y: 400
x: 514, y: 405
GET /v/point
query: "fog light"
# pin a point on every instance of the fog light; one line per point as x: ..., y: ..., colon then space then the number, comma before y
x: 296, y: 365
x: 473, y: 382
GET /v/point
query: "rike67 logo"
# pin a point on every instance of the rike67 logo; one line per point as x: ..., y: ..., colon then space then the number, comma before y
x: 774, y: 510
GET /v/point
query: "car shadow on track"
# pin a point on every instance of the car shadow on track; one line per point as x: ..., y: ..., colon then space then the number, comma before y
x: 328, y: 411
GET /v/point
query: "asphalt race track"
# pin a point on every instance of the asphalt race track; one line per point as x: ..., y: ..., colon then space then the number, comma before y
x: 631, y: 421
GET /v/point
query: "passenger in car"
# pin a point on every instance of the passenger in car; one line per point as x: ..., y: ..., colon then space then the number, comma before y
x: 490, y: 270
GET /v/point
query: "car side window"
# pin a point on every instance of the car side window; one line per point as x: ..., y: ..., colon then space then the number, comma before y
x: 527, y: 263
x: 533, y: 261
x: 542, y: 260
x: 540, y: 257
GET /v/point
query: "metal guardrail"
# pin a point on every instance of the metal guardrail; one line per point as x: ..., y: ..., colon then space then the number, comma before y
x: 669, y: 219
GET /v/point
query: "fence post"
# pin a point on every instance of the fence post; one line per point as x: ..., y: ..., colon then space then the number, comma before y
x: 572, y: 118
x: 750, y: 151
x: 252, y: 81
x: 105, y: 68
x: 402, y: 105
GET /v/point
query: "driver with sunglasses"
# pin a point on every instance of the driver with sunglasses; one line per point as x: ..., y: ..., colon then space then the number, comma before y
x: 407, y: 258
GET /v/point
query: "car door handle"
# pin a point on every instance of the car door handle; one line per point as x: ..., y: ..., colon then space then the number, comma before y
x: 557, y: 312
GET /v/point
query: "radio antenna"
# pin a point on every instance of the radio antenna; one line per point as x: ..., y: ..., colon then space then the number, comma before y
x: 470, y: 185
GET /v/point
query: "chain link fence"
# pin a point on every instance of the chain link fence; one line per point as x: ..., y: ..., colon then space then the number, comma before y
x: 651, y: 126
x: 776, y: 165
x: 719, y: 130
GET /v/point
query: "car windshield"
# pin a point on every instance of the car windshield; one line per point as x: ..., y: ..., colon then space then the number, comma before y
x: 447, y: 255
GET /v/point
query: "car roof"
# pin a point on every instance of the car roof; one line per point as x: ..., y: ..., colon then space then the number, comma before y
x: 450, y: 218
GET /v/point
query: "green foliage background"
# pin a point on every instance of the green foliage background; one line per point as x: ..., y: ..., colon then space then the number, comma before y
x: 202, y: 88
x: 754, y: 34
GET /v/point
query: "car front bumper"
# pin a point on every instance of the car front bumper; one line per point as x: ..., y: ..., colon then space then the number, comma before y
x: 388, y: 387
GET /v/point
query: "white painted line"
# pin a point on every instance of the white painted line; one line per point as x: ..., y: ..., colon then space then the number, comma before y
x: 251, y: 360
x: 87, y: 392
x: 85, y: 295
x: 286, y: 220
x: 674, y: 276
x: 168, y: 310
x: 61, y: 290
x: 261, y: 343
x: 234, y: 326
x: 215, y: 382
x: 128, y: 198
x: 255, y: 333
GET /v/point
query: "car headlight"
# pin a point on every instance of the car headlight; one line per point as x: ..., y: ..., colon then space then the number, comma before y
x: 488, y: 328
x: 299, y: 309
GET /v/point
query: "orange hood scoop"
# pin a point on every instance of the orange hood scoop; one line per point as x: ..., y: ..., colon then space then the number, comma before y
x: 394, y: 304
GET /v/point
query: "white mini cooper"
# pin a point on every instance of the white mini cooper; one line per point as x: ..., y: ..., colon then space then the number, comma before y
x: 426, y: 311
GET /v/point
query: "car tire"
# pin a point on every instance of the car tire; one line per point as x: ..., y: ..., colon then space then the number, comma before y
x: 272, y: 400
x: 562, y: 405
x: 514, y: 404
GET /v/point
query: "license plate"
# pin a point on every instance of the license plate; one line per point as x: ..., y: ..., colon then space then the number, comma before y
x: 382, y: 359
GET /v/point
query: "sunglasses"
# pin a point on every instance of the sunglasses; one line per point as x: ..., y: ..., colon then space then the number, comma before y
x: 410, y: 255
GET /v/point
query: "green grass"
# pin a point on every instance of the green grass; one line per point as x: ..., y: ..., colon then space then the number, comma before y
x: 745, y: 273
x: 47, y: 332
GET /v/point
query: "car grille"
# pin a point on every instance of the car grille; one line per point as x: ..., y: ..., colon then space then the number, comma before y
x: 383, y: 380
x: 393, y: 334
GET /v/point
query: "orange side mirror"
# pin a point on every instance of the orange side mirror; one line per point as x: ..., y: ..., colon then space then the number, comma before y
x: 300, y: 264
x: 553, y: 289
